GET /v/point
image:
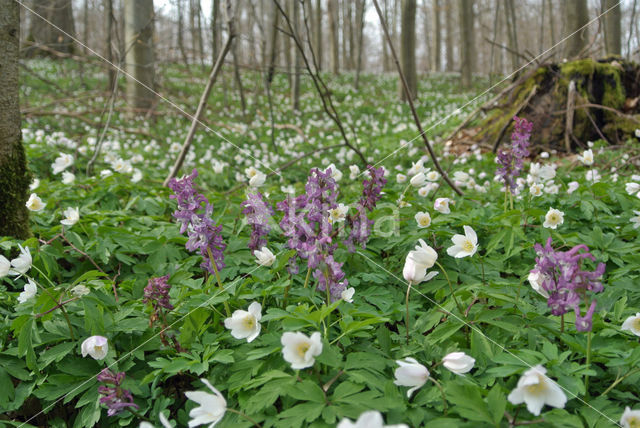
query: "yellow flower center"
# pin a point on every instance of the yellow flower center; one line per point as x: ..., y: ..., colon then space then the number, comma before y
x: 249, y: 322
x: 633, y: 422
x: 636, y: 324
x: 553, y: 218
x: 302, y: 349
x: 467, y: 246
x: 424, y: 221
x: 97, y: 348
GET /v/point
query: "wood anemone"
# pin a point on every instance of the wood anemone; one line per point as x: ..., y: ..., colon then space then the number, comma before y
x: 569, y: 104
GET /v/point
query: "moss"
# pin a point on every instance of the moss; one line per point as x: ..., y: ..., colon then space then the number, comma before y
x: 14, y: 186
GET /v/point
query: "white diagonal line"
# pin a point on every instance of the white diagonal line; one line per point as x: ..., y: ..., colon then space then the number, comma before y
x: 218, y: 292
x: 177, y: 107
x: 477, y: 330
x: 402, y: 146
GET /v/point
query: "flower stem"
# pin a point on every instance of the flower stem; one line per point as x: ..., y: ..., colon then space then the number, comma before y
x: 444, y: 397
x: 306, y: 279
x: 453, y: 294
x: 237, y: 412
x: 406, y: 320
x: 562, y: 323
x: 215, y: 271
x: 58, y: 304
x: 586, y: 376
x: 618, y: 380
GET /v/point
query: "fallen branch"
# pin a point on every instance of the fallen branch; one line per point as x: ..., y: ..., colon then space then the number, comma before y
x: 203, y: 102
x: 411, y: 106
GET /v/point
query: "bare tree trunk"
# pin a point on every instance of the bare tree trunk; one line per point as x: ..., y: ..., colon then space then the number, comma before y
x: 85, y: 23
x: 333, y: 36
x: 466, y: 42
x: 236, y: 77
x: 199, y: 32
x: 576, y: 16
x: 342, y: 26
x: 60, y: 13
x: 496, y: 20
x: 295, y: 87
x: 611, y: 27
x: 512, y: 34
x: 449, y: 39
x: 360, y: 10
x: 215, y: 31
x: 541, y: 35
x: 552, y: 28
x: 349, y: 35
x: 109, y: 41
x: 139, y: 53
x: 437, y: 40
x: 318, y: 35
x: 428, y: 57
x: 14, y: 176
x: 183, y: 51
x: 631, y: 27
x: 287, y: 46
x: 408, y: 49
x: 385, y: 48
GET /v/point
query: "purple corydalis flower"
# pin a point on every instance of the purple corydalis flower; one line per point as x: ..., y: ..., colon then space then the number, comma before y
x: 115, y: 397
x: 258, y: 213
x: 512, y: 161
x: 372, y: 188
x: 204, y: 235
x: 562, y: 277
x: 157, y: 293
x: 359, y: 223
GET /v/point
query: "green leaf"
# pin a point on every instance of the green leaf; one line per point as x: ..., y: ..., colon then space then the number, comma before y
x: 497, y: 403
x: 25, y: 344
x: 306, y: 391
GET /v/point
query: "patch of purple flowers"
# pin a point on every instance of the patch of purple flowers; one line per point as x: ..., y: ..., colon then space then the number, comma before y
x: 562, y: 277
x: 359, y: 224
x: 512, y: 161
x: 258, y: 213
x: 115, y: 397
x: 204, y: 235
x: 157, y: 293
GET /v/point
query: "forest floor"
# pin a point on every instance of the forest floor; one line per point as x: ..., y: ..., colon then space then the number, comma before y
x: 347, y: 314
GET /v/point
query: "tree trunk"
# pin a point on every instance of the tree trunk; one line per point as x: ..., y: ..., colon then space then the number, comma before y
x: 466, y: 42
x: 59, y: 13
x: 428, y: 57
x: 180, y: 37
x: 437, y: 39
x: 139, y: 53
x: 14, y: 177
x: 512, y: 33
x: 199, y: 33
x: 552, y: 28
x: 385, y: 48
x: 108, y: 7
x: 318, y: 38
x: 360, y: 10
x: 576, y: 17
x: 333, y: 36
x: 215, y: 31
x: 449, y: 40
x: 297, y: 59
x: 612, y: 35
x: 408, y: 48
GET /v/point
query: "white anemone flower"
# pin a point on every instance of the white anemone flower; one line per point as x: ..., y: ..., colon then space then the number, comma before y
x: 245, y: 324
x: 442, y: 205
x: 72, y: 215
x: 5, y: 266
x: 68, y: 177
x: 354, y: 170
x: 401, y: 178
x: 553, y: 218
x: 95, y: 346
x: 464, y: 245
x: 338, y: 214
x: 632, y: 188
x: 34, y: 203
x: 572, y: 187
x: 347, y: 294
x: 336, y: 174
x: 423, y: 219
x: 30, y: 290
x: 535, y: 389
x: 418, y: 180
x: 368, y: 419
x: 458, y: 362
x: 630, y: 418
x: 635, y: 220
x: 632, y: 324
x: 257, y: 180
x: 212, y: 406
x: 264, y: 257
x: 21, y: 264
x: 536, y: 283
x: 410, y: 373
x: 61, y: 163
x: 587, y: 157
x: 300, y: 350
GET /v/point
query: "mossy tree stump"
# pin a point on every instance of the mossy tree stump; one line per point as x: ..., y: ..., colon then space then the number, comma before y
x: 604, y: 105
